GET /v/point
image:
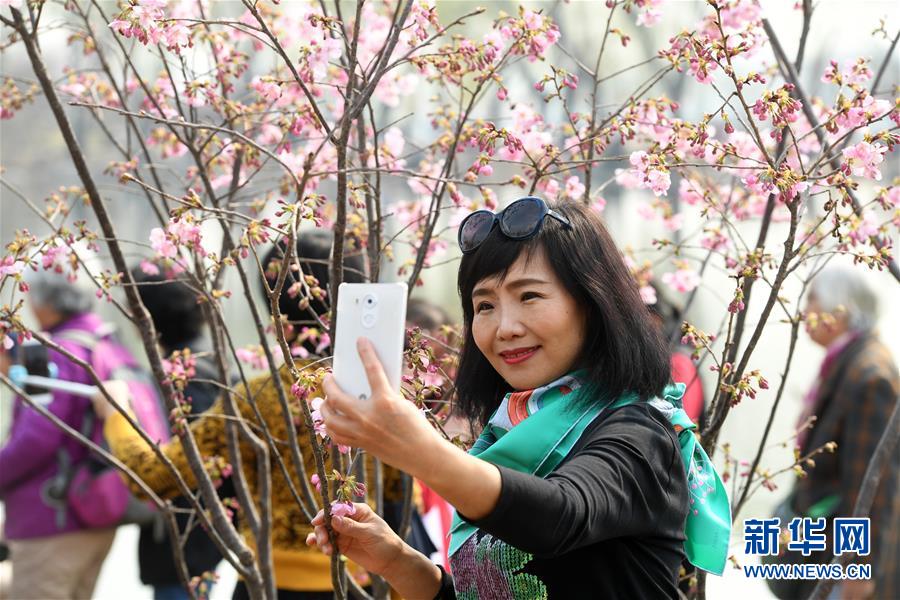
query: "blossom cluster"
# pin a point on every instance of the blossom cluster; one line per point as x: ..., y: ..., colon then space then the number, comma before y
x: 146, y: 21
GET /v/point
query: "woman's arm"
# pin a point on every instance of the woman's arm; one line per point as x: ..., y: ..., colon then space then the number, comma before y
x: 624, y: 479
x: 395, y: 431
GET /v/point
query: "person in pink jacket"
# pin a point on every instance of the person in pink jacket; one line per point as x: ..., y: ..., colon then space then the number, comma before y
x: 53, y: 555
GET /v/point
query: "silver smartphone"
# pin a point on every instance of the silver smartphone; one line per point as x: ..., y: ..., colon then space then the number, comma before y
x: 376, y: 311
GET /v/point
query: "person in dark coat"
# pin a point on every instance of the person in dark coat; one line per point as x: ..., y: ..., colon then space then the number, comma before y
x: 852, y: 400
x: 178, y: 319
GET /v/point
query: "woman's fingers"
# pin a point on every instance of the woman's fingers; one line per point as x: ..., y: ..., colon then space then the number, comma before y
x: 349, y: 527
x: 363, y: 512
x: 322, y: 536
x: 338, y: 400
x: 374, y: 370
x: 339, y: 427
x: 343, y: 526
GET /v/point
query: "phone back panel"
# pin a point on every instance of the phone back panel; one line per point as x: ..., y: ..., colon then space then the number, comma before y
x: 376, y: 311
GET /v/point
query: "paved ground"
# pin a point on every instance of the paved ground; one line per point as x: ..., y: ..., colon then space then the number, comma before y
x: 119, y: 578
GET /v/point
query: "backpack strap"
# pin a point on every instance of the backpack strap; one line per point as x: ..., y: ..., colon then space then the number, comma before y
x: 89, y: 342
x: 85, y: 339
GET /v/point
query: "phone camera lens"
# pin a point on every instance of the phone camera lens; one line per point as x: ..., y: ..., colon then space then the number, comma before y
x: 370, y: 300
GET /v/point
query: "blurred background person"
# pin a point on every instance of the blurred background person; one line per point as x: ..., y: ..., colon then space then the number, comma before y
x: 670, y: 317
x: 178, y: 319
x: 300, y: 572
x: 436, y: 513
x: 52, y: 554
x: 852, y: 399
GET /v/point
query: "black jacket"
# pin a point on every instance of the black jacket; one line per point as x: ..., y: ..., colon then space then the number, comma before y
x: 155, y: 554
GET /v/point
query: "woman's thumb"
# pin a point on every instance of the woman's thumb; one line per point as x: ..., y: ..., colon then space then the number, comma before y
x: 347, y: 526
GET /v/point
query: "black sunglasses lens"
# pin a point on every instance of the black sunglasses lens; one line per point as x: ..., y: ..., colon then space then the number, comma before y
x: 522, y: 217
x: 475, y: 230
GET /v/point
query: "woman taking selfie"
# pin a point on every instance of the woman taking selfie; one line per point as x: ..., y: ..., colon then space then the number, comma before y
x: 586, y: 477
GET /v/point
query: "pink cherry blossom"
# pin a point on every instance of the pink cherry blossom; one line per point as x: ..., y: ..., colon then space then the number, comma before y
x: 628, y: 178
x: 685, y: 49
x: 318, y: 422
x: 149, y: 268
x: 858, y: 73
x: 683, y: 280
x: 863, y: 228
x: 119, y: 26
x: 863, y: 159
x: 854, y: 73
x: 688, y: 193
x: 780, y: 106
x: 673, y: 222
x: 339, y: 508
x: 253, y: 356
x: 646, y: 212
x: 9, y: 266
x: 533, y: 21
x: 658, y: 181
x: 324, y: 342
x: 177, y: 36
x: 862, y: 111
x: 574, y: 188
x: 425, y: 16
x: 648, y: 294
x: 549, y: 188
x: 268, y: 89
x: 180, y: 368
x: 714, y: 239
x: 54, y: 259
x: 649, y: 13
x: 186, y: 232
x: 395, y: 86
x: 893, y: 196
x: 832, y: 73
x: 650, y: 172
x: 161, y: 243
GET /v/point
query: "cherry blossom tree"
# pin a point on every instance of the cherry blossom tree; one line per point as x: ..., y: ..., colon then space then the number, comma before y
x: 239, y: 124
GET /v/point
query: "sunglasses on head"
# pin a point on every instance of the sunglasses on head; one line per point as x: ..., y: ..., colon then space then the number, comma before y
x: 521, y: 220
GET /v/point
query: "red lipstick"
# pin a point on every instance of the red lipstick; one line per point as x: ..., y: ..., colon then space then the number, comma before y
x: 518, y: 355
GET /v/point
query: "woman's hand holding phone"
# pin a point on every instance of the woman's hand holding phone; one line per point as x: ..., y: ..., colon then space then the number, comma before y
x: 393, y: 429
x: 385, y: 425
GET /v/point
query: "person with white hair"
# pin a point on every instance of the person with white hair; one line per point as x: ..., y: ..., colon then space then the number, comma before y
x: 852, y: 400
x: 53, y: 554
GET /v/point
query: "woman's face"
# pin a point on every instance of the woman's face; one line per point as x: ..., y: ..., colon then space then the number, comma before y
x: 823, y: 328
x: 529, y: 327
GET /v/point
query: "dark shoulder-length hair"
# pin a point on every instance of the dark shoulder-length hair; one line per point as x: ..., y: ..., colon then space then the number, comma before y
x: 624, y: 350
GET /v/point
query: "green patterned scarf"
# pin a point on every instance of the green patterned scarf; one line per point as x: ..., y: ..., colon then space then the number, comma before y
x: 532, y: 431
